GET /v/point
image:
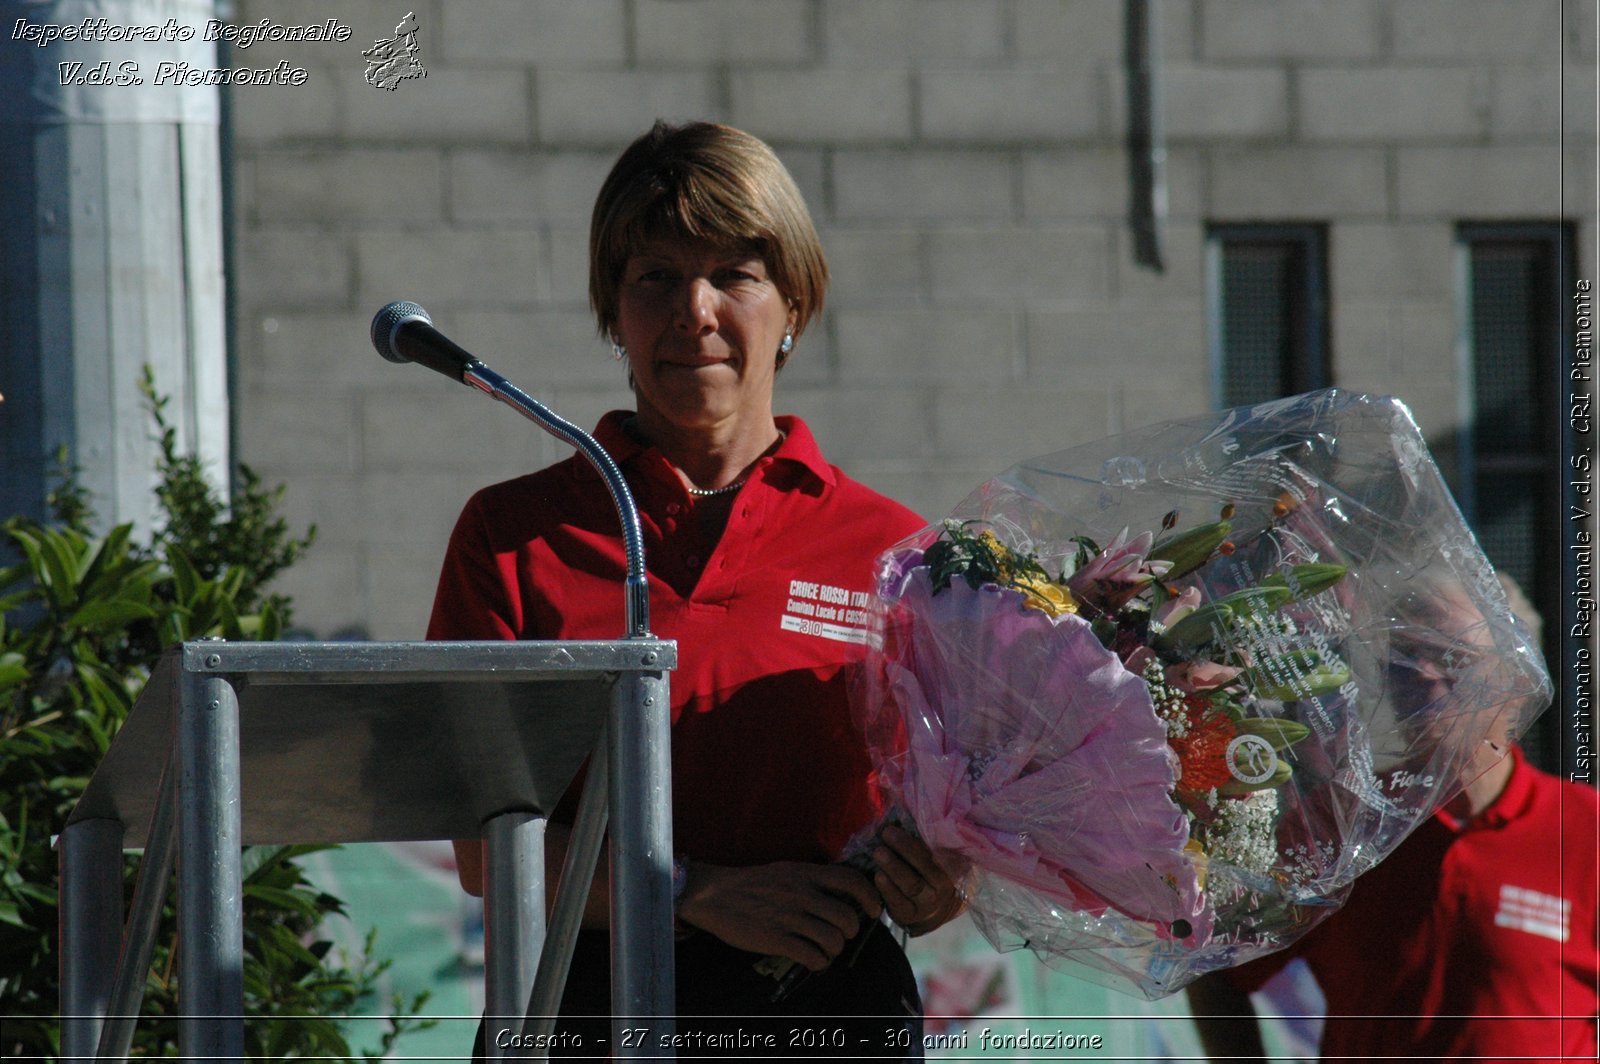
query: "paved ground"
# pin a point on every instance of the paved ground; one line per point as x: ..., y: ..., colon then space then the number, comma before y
x: 425, y: 924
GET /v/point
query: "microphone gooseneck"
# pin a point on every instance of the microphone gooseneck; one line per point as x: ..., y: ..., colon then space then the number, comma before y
x: 403, y: 332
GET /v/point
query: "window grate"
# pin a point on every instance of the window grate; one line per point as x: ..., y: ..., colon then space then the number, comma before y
x: 1268, y: 322
x: 1511, y: 441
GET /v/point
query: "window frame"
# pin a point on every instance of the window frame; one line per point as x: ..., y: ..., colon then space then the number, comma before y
x: 1554, y: 325
x: 1308, y: 364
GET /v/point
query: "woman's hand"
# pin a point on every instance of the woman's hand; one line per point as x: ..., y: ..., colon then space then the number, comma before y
x: 917, y: 891
x: 805, y: 912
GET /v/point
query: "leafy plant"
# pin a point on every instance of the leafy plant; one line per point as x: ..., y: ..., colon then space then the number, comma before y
x: 83, y: 620
x: 243, y: 538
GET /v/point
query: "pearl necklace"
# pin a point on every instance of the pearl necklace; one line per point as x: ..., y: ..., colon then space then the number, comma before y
x: 728, y: 489
x: 706, y: 493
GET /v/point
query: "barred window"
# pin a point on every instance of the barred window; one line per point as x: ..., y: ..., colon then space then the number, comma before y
x: 1514, y: 325
x: 1267, y: 311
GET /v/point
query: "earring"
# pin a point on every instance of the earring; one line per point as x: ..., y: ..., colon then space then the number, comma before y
x: 788, y: 343
x: 618, y: 352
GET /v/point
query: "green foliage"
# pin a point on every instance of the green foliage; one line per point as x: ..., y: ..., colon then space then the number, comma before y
x: 243, y: 538
x: 83, y: 620
x: 979, y: 558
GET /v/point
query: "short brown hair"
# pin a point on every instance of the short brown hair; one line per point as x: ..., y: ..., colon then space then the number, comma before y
x: 711, y: 183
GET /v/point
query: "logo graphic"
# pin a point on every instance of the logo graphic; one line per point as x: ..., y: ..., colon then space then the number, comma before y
x: 815, y: 608
x: 392, y: 61
x: 1251, y: 759
x: 1534, y: 912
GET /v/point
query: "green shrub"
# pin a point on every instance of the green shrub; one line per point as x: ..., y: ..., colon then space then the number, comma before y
x: 83, y: 619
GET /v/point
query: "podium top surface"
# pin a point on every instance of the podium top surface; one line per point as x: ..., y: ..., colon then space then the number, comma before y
x: 361, y: 742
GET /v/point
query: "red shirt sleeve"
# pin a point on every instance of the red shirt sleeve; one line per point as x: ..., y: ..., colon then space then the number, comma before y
x: 473, y: 599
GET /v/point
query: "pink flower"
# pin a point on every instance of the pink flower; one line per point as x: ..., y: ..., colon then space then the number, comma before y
x: 1192, y: 677
x: 1030, y: 752
x: 1136, y: 659
x: 1117, y: 573
x: 1176, y: 609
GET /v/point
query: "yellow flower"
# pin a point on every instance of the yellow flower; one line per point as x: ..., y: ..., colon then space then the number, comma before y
x: 1197, y: 853
x: 1038, y: 591
x: 1045, y: 595
x: 1002, y: 553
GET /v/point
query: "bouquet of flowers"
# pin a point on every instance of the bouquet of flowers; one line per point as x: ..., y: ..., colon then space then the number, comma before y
x: 1159, y: 744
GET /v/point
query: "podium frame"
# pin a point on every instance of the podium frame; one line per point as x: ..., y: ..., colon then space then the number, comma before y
x: 236, y: 743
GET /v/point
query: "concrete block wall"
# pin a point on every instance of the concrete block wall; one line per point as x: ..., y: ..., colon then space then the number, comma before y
x: 964, y: 161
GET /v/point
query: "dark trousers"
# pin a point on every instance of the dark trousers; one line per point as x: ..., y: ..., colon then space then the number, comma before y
x: 865, y: 1006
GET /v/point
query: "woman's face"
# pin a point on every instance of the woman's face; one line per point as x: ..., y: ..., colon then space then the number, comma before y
x: 702, y: 327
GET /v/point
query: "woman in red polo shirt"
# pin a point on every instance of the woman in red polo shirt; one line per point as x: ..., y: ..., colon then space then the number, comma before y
x: 705, y: 271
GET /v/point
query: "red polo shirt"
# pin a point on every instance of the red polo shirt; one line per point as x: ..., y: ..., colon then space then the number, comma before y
x: 1472, y: 941
x: 766, y: 761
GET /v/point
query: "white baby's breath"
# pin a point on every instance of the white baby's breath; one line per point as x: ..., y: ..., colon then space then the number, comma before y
x: 1243, y: 833
x: 1167, y: 700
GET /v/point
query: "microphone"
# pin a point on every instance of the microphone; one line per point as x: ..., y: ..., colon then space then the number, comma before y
x: 403, y: 332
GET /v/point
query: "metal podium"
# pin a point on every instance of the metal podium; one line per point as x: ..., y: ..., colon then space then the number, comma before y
x: 239, y: 743
x: 233, y: 744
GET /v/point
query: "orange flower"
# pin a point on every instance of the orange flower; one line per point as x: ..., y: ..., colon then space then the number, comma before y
x: 1202, y: 753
